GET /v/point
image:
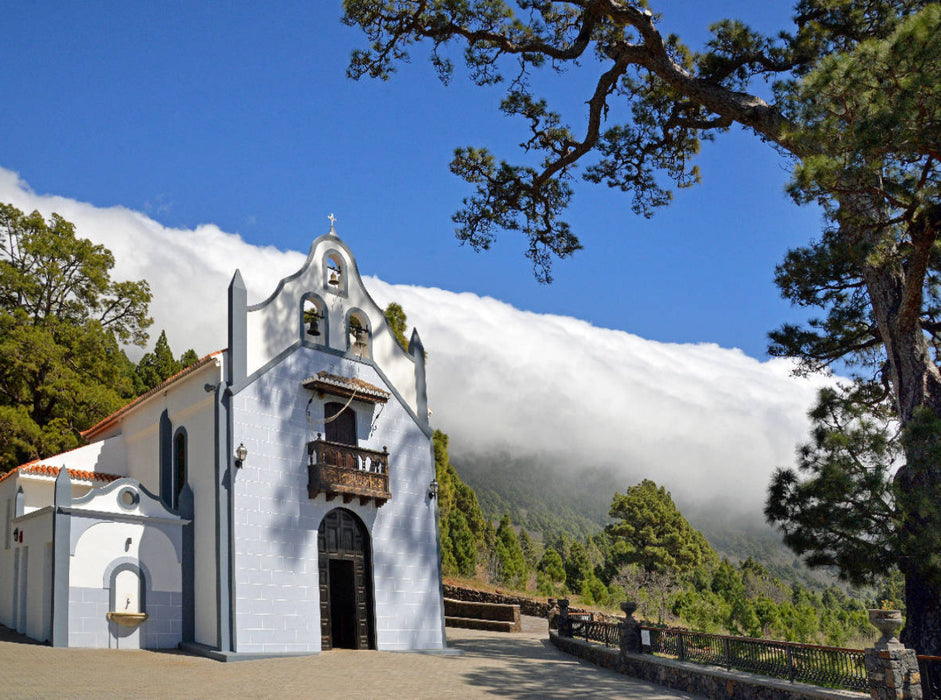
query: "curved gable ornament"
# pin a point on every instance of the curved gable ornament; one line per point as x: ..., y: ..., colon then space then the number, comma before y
x: 323, y: 305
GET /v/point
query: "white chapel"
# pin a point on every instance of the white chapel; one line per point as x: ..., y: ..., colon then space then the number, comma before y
x: 275, y: 497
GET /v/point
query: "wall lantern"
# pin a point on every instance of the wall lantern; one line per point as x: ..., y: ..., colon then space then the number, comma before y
x: 241, y: 454
x: 433, y: 489
x: 16, y: 535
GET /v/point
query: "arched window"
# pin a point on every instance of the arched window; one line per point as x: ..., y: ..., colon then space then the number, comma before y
x: 179, y: 465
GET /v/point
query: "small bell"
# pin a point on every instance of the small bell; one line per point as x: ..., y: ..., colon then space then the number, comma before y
x: 314, y: 328
x: 334, y: 280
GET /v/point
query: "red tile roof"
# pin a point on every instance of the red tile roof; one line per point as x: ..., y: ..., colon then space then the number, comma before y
x: 108, y: 422
x: 37, y: 467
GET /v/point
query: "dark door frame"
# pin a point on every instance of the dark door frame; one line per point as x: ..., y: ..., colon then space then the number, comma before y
x: 343, y: 535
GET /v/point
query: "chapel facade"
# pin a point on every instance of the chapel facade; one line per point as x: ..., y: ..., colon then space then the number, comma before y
x: 275, y: 497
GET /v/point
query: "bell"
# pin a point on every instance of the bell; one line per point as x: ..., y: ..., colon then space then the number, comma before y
x: 314, y: 328
x: 334, y: 280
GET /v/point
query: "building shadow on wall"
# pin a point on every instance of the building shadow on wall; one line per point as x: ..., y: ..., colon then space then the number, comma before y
x: 14, y: 637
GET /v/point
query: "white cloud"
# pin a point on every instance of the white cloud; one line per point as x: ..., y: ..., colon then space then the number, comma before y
x: 709, y: 423
x: 189, y: 270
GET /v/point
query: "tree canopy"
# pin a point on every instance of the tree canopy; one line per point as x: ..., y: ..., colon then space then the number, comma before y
x: 62, y: 318
x: 650, y: 531
x: 854, y: 107
x: 838, y: 507
x: 156, y: 367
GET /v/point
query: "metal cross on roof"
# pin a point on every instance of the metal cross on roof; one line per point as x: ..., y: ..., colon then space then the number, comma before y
x: 332, y: 219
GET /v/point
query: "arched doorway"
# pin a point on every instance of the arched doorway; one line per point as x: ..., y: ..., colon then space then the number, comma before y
x: 346, y: 616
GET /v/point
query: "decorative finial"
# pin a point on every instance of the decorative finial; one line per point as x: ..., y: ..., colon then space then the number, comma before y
x: 332, y: 219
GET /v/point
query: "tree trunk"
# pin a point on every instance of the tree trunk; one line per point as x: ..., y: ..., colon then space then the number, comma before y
x: 922, y: 630
x: 916, y: 383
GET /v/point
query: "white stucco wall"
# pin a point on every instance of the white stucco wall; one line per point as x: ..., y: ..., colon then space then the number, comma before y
x: 115, y: 543
x: 7, y: 495
x: 187, y: 403
x: 188, y: 406
x: 31, y: 579
x: 276, y: 523
x: 104, y: 542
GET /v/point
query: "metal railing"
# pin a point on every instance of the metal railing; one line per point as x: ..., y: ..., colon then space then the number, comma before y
x: 833, y: 667
x: 606, y: 633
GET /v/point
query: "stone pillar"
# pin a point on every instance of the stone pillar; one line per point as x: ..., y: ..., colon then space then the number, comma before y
x: 891, y: 667
x: 565, y: 627
x: 553, y: 614
x: 629, y: 629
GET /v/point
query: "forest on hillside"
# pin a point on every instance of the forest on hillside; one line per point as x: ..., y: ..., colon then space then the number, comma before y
x: 647, y: 552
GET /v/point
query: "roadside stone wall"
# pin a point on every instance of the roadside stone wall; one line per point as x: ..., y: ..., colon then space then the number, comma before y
x: 528, y: 606
x: 482, y: 611
x: 707, y: 681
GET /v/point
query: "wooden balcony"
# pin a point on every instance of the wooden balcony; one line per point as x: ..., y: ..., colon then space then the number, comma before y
x: 336, y: 469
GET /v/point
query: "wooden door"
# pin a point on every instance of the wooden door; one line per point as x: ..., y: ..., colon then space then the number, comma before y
x: 345, y: 582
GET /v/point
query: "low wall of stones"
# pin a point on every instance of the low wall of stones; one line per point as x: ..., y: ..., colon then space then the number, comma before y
x: 707, y: 681
x: 528, y: 606
x: 482, y: 611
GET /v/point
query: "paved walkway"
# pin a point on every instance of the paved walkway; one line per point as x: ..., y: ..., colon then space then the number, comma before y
x: 520, y: 665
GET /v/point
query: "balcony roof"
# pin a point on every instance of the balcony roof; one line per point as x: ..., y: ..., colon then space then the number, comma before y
x: 346, y: 387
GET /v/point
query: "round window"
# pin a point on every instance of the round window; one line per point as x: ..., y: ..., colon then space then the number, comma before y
x: 128, y: 498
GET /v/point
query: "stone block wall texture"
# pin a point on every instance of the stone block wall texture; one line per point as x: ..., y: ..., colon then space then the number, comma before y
x: 88, y: 622
x: 893, y: 673
x: 163, y: 628
x: 277, y: 600
x: 528, y: 606
x: 89, y: 625
x: 709, y: 682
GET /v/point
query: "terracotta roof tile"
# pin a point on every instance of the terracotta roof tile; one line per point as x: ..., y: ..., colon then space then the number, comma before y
x: 37, y: 467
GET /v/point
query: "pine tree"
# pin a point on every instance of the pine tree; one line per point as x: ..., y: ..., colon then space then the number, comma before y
x: 530, y: 551
x: 462, y: 545
x: 398, y: 322
x: 510, y: 554
x: 650, y: 531
x: 156, y: 367
x: 854, y: 106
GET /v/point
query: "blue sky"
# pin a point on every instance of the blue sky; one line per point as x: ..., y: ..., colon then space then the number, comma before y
x: 240, y: 115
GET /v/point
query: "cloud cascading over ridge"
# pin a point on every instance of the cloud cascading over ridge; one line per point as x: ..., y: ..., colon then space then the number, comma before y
x: 709, y: 423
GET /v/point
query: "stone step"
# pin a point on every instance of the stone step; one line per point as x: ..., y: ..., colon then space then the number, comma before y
x: 487, y: 625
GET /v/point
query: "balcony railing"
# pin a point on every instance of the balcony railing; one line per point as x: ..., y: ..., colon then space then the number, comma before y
x: 336, y: 469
